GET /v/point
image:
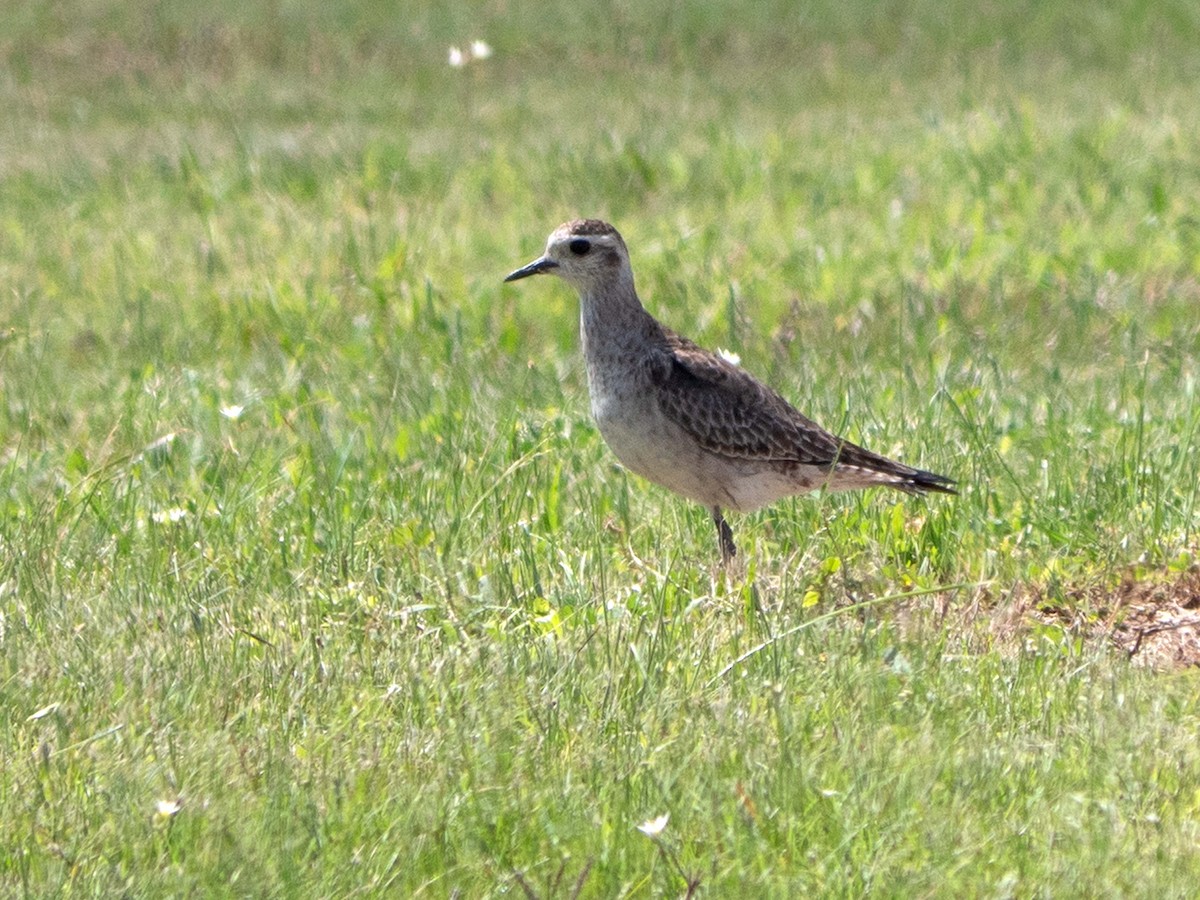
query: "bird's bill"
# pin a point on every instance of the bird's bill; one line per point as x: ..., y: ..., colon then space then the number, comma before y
x: 534, y: 268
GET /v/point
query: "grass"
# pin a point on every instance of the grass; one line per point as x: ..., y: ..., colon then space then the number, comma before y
x: 317, y: 580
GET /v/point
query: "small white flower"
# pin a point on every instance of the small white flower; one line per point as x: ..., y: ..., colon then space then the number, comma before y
x: 169, y: 516
x: 43, y: 712
x: 162, y: 445
x: 729, y: 356
x: 457, y: 59
x: 654, y: 827
x: 168, y: 808
x: 481, y: 50
x: 233, y: 411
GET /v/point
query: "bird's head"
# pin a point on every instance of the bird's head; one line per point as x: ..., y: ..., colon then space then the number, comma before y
x: 587, y: 253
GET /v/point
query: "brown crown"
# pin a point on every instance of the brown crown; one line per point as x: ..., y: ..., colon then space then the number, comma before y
x: 591, y: 227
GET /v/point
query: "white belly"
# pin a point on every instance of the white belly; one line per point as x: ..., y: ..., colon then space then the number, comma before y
x: 649, y: 444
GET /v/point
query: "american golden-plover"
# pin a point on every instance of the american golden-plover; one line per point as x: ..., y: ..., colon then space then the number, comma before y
x: 691, y: 420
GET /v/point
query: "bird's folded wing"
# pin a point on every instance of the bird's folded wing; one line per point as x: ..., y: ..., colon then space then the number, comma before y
x: 729, y: 412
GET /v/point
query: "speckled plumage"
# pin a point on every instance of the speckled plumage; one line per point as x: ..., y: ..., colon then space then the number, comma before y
x: 689, y: 419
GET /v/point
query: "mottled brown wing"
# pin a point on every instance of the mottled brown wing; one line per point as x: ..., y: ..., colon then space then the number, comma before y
x: 731, y: 413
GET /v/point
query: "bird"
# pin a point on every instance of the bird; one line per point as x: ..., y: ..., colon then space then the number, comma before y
x: 691, y: 420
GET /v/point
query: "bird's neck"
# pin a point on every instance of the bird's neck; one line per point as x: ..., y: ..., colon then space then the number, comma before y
x: 618, y: 335
x: 614, y: 316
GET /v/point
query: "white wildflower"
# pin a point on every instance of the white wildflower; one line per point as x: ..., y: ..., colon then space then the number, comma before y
x: 43, y: 712
x: 654, y: 827
x: 169, y: 516
x: 160, y: 446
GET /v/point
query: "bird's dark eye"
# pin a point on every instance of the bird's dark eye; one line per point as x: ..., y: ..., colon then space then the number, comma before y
x: 579, y: 246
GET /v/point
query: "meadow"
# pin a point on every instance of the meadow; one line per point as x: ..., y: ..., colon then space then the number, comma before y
x: 316, y: 578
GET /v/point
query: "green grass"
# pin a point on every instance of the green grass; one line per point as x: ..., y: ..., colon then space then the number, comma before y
x: 303, y: 522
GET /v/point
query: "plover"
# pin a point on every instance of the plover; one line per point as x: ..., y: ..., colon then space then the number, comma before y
x: 691, y: 420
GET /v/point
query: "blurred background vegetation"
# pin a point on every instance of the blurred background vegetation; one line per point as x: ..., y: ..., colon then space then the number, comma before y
x: 316, y: 578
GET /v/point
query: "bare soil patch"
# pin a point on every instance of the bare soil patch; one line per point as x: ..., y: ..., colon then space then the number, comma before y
x: 1156, y: 622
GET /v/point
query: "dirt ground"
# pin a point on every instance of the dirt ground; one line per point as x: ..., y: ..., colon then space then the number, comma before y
x: 1156, y: 622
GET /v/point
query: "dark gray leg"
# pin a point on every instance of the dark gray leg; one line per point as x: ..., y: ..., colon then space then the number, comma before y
x: 724, y: 536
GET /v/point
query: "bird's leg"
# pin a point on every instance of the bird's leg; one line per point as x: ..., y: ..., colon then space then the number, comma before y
x: 724, y: 536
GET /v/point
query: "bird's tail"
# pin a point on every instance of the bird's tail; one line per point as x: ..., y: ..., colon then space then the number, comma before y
x: 862, y: 468
x: 858, y: 468
x: 921, y: 482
